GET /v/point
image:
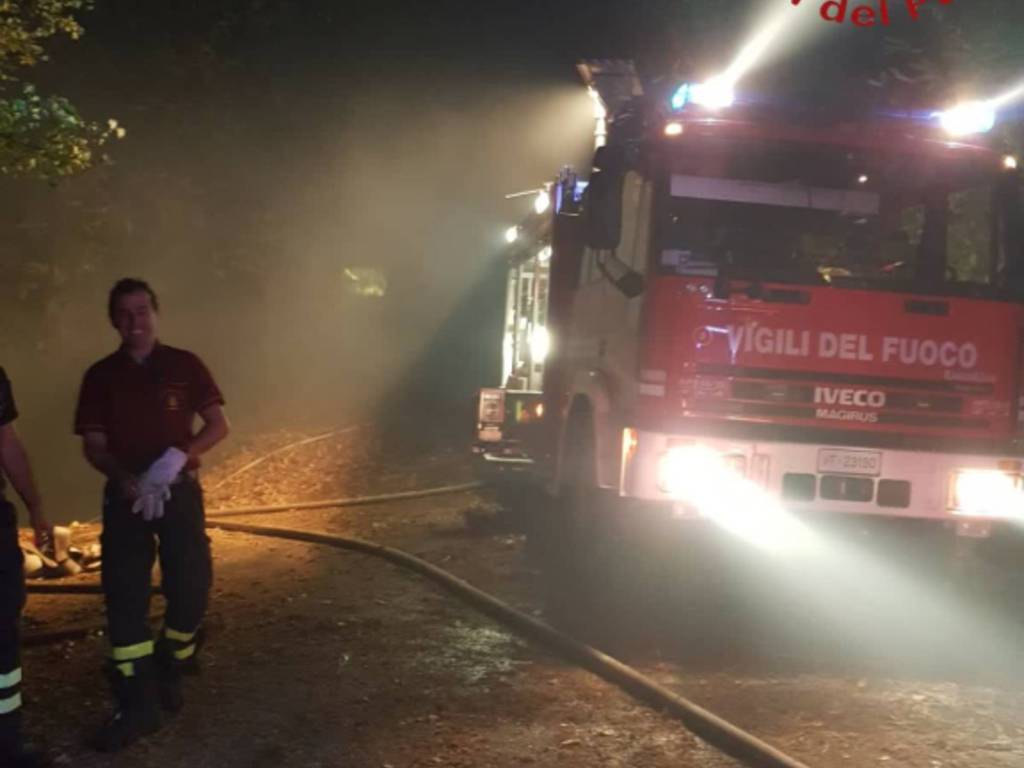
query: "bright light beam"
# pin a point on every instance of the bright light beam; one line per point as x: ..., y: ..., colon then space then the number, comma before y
x: 1010, y: 96
x: 702, y: 478
x: 716, y: 93
x: 989, y: 493
x: 755, y: 50
x: 540, y: 344
x: 979, y: 116
x: 967, y: 119
x: 542, y: 202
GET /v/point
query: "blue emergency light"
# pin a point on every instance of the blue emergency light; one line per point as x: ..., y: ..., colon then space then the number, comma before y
x: 681, y: 97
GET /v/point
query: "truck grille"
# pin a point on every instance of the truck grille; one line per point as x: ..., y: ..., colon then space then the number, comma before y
x: 827, y: 396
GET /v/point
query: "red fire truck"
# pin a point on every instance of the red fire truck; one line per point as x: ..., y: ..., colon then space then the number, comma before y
x: 831, y: 311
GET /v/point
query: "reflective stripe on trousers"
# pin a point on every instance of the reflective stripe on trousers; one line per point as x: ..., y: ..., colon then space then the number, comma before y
x: 125, y: 656
x: 181, y: 644
x: 10, y: 691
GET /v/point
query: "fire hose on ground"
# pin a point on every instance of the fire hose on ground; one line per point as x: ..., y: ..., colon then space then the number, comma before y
x: 283, y: 449
x: 358, y: 501
x: 719, y: 733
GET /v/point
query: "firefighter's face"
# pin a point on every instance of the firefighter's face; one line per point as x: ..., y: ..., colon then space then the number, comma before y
x: 135, y: 320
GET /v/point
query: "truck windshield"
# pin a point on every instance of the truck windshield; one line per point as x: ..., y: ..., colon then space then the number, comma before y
x: 812, y: 216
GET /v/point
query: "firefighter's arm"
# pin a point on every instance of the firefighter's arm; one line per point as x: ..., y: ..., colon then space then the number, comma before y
x: 16, y: 466
x: 215, y: 428
x: 94, y: 446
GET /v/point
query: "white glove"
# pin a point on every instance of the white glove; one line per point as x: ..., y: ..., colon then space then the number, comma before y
x: 155, y: 485
x: 150, y: 503
x: 166, y: 469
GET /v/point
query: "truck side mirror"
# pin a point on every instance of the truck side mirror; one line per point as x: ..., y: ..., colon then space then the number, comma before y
x: 602, y: 207
x: 629, y: 282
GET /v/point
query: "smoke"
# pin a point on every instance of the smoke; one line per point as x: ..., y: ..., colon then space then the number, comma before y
x: 243, y: 201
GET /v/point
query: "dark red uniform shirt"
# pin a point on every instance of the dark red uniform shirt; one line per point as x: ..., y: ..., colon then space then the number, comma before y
x: 145, y: 408
x: 8, y: 413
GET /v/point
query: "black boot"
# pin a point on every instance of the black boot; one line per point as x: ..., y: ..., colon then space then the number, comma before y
x: 190, y: 666
x: 13, y: 751
x: 138, y: 707
x: 176, y: 659
x: 169, y: 672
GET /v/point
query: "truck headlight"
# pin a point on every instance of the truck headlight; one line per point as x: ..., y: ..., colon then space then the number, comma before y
x: 715, y: 484
x: 689, y: 472
x: 968, y: 119
x: 986, y: 493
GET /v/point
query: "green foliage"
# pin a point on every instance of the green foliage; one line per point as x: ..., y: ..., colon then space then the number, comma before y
x: 26, y: 24
x: 42, y: 136
x: 969, y: 248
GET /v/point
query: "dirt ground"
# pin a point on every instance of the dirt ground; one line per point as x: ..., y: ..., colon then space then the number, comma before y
x: 325, y: 658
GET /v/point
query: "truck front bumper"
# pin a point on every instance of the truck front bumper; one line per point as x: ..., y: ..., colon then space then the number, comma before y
x: 969, y: 491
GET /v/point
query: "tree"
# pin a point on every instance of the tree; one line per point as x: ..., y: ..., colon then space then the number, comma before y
x: 42, y: 136
x: 957, y: 51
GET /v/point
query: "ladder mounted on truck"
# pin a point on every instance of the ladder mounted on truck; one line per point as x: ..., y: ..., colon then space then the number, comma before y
x: 508, y: 414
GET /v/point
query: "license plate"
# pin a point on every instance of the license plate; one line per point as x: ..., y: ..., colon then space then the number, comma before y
x: 490, y: 434
x: 836, y: 461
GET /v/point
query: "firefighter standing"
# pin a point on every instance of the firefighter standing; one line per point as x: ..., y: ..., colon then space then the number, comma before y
x: 14, y: 464
x: 135, y: 414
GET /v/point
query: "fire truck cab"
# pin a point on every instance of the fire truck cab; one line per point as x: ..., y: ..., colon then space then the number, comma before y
x: 829, y: 311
